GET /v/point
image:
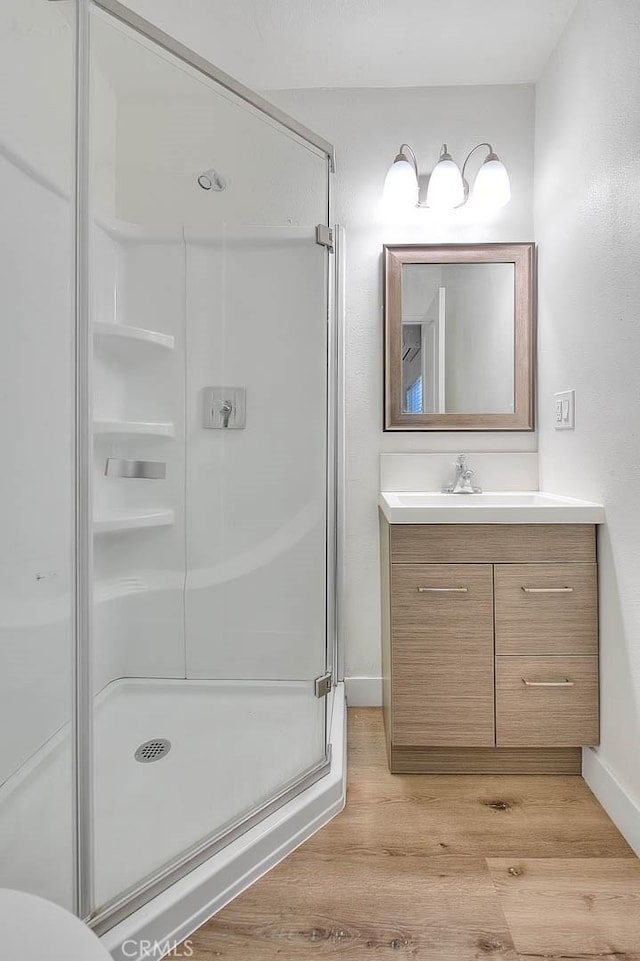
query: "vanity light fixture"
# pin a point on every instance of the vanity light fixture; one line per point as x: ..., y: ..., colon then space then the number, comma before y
x: 492, y: 187
x: 448, y: 187
x: 401, y: 182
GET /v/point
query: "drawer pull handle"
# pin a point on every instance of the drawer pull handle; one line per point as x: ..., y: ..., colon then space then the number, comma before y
x: 548, y: 590
x: 443, y: 590
x: 565, y: 683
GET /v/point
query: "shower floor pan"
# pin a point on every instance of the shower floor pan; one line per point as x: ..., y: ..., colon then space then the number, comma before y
x: 227, y: 754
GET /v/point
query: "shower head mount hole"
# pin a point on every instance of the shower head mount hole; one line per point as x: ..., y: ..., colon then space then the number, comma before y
x: 212, y: 180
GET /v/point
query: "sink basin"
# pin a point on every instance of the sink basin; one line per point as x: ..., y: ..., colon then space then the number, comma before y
x: 491, y: 507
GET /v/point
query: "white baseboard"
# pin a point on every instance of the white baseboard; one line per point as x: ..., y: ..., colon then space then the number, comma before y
x: 621, y: 808
x: 363, y: 691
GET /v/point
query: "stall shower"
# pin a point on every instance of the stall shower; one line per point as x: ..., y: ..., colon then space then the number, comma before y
x: 168, y: 380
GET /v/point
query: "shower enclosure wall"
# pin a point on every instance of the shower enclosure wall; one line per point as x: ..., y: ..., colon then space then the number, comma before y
x: 168, y: 492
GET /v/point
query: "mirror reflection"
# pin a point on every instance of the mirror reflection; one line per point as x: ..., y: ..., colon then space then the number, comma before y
x: 458, y: 349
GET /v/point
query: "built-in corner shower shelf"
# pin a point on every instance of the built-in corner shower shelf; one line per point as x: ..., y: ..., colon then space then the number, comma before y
x: 122, y: 332
x: 108, y: 428
x: 116, y: 521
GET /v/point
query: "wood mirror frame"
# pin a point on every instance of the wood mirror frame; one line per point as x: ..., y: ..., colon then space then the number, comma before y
x: 523, y: 257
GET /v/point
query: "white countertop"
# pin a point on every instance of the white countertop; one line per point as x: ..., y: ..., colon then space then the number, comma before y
x: 490, y: 507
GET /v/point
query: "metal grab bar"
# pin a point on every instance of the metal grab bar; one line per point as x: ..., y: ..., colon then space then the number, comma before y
x: 565, y: 683
x: 145, y: 469
x: 443, y: 590
x: 548, y: 590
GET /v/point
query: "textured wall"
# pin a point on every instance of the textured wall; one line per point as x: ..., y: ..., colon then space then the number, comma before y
x: 588, y: 227
x: 367, y: 127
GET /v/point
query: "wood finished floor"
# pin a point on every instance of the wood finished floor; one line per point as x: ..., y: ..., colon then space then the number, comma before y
x: 444, y: 868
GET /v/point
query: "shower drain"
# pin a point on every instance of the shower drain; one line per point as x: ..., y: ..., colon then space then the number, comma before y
x: 152, y: 750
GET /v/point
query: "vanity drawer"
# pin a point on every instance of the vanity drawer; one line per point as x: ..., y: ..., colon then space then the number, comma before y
x: 546, y: 609
x: 444, y: 597
x: 546, y: 701
x: 492, y: 543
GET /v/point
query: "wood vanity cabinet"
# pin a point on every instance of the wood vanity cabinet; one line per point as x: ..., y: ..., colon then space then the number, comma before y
x: 490, y: 647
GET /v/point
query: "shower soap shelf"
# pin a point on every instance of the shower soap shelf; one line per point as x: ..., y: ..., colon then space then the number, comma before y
x: 140, y: 334
x: 132, y: 520
x: 148, y: 428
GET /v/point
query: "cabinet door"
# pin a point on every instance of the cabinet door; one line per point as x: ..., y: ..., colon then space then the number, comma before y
x: 442, y: 660
x: 546, y: 609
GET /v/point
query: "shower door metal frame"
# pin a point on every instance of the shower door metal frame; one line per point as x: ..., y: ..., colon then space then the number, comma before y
x: 135, y: 897
x: 82, y: 708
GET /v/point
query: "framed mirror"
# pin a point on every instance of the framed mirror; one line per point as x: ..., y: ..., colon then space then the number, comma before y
x: 459, y: 337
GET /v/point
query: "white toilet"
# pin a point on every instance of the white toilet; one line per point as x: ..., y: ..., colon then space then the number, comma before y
x: 33, y: 929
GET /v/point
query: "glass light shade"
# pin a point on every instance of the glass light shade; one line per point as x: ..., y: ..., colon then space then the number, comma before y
x: 446, y: 189
x: 401, y: 185
x: 492, y: 187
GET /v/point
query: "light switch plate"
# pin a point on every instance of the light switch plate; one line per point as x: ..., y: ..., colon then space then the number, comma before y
x: 564, y: 409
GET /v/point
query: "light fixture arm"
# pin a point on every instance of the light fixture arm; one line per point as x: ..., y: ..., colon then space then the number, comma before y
x: 402, y: 155
x: 472, y: 151
x: 490, y: 156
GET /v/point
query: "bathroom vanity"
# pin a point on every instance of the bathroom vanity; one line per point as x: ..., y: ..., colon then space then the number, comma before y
x: 489, y: 600
x: 489, y: 632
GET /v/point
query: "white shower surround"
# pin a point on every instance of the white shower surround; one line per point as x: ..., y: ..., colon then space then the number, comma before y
x: 243, y: 554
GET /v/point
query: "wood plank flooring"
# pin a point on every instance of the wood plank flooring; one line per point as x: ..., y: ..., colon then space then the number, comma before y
x: 442, y: 868
x: 589, y: 906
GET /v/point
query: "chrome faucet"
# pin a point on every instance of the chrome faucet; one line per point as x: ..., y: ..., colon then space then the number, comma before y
x: 462, y: 481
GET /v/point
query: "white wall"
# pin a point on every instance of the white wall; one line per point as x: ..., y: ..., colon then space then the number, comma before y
x: 588, y: 227
x: 367, y: 127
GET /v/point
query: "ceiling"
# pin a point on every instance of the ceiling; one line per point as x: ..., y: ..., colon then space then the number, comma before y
x: 367, y: 43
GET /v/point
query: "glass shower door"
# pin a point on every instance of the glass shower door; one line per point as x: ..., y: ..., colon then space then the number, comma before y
x: 255, y: 625
x: 209, y: 319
